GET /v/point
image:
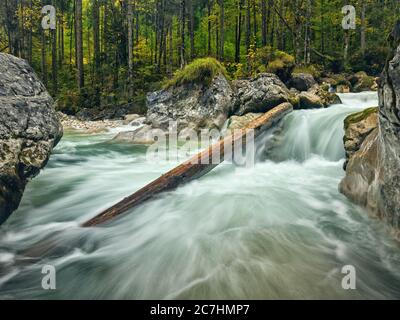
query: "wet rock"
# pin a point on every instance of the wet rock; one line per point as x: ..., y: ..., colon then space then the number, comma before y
x: 360, y: 184
x: 373, y: 173
x: 259, y: 94
x: 29, y: 130
x: 327, y: 98
x: 308, y: 100
x: 357, y: 127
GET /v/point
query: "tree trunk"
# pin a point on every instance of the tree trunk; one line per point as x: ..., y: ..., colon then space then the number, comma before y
x: 248, y: 26
x: 222, y: 30
x: 363, y: 27
x: 238, y: 31
x: 54, y: 59
x: 264, y: 22
x: 191, y: 29
x: 79, y: 44
x: 209, y: 28
x: 130, y: 45
x: 183, y: 20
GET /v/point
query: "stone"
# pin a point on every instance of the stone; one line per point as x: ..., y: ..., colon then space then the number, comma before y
x: 192, y: 105
x: 302, y: 81
x: 260, y: 94
x: 309, y: 100
x: 373, y: 172
x: 360, y: 81
x: 359, y: 184
x: 29, y: 130
x: 357, y: 128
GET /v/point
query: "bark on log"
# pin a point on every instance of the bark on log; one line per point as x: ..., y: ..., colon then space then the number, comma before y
x: 193, y: 168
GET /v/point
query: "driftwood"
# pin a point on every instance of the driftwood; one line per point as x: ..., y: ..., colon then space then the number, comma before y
x: 194, y: 168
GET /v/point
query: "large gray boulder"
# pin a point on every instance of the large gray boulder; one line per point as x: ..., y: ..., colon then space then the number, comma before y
x: 388, y: 173
x: 302, y: 81
x: 29, y: 129
x: 193, y: 105
x: 259, y: 94
x: 373, y: 172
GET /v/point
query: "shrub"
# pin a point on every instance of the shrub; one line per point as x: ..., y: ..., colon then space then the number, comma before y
x: 202, y: 71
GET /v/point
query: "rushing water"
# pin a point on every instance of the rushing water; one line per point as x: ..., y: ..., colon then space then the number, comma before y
x: 278, y: 230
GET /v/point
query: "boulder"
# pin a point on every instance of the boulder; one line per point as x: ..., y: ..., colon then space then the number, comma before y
x: 302, y: 81
x: 373, y: 172
x: 357, y: 128
x: 362, y: 82
x: 260, y: 94
x: 309, y: 100
x: 359, y: 184
x: 327, y: 98
x: 29, y: 130
x: 193, y: 105
x: 388, y: 171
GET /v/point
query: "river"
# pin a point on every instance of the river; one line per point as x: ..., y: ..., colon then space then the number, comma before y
x: 279, y: 230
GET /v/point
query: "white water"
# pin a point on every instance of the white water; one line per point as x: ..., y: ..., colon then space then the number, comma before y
x: 279, y: 230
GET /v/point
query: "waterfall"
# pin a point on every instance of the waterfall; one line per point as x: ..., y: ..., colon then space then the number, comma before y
x: 308, y: 133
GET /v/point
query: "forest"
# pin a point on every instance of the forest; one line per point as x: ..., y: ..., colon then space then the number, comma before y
x: 107, y: 52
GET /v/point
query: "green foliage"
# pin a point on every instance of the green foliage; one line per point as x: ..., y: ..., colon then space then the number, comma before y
x: 202, y: 71
x: 359, y: 116
x: 274, y: 61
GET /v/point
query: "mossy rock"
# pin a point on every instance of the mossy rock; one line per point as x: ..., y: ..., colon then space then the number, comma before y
x: 359, y: 116
x: 200, y: 71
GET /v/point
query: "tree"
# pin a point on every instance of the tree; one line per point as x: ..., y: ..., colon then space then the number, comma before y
x: 79, y: 44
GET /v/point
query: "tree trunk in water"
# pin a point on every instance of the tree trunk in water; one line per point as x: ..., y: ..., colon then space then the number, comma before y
x: 194, y: 168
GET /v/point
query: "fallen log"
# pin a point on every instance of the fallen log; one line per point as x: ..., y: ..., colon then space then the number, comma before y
x: 194, y: 168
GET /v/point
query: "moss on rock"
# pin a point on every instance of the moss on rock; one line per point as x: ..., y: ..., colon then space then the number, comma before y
x: 359, y: 116
x: 201, y: 71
